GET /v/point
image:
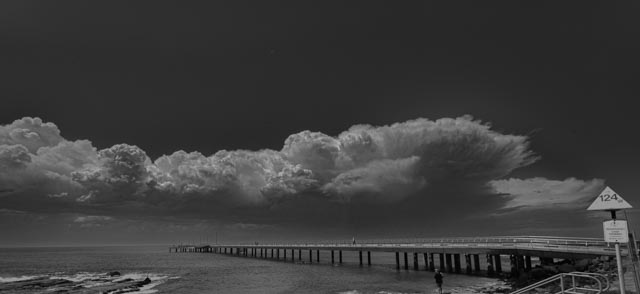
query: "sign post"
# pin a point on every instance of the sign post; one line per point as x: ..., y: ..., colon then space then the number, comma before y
x: 615, y: 231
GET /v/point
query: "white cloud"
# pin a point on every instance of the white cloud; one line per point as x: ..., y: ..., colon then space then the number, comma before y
x: 376, y: 164
x: 92, y: 218
x: 31, y: 133
x: 542, y: 193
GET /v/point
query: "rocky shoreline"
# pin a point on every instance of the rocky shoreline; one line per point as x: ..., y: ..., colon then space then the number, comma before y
x: 108, y: 283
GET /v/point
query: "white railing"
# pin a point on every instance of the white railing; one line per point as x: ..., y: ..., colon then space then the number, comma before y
x: 569, y: 283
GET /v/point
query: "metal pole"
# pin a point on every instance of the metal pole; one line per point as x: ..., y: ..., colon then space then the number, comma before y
x: 620, y: 275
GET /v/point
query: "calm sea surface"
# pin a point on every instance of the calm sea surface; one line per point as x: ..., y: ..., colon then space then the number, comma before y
x: 86, y: 268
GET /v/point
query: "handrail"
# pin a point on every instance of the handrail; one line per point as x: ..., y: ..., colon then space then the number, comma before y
x: 599, y: 278
x: 525, y: 239
x: 442, y: 242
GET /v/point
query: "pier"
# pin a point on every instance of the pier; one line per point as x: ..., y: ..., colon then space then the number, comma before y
x: 453, y: 255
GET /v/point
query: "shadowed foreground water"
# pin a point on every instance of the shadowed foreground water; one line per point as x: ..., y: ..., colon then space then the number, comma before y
x: 87, y: 270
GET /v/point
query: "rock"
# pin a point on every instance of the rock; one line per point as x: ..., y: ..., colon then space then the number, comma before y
x: 143, y: 282
x: 114, y: 274
x: 566, y: 268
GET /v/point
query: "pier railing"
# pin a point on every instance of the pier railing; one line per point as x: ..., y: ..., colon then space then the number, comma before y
x: 458, y: 240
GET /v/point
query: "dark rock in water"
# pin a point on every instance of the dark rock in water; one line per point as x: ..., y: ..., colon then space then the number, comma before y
x: 143, y: 282
x: 125, y: 280
x: 114, y: 274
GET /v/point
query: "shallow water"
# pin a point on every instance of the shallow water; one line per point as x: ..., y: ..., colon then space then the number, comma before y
x: 87, y: 268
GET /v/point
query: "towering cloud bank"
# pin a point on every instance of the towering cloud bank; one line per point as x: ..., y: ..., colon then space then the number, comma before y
x: 375, y: 164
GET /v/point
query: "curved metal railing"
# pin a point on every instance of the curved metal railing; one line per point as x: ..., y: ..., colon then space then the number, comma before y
x: 569, y: 283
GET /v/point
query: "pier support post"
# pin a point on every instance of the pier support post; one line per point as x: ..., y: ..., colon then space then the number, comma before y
x: 299, y: 254
x: 360, y: 255
x: 340, y: 256
x: 425, y: 256
x: 456, y: 263
x: 369, y: 258
x: 332, y: 257
x: 271, y: 252
x: 310, y: 256
x: 293, y: 255
x: 441, y: 259
x: 277, y: 253
x: 476, y: 261
x: 520, y: 262
x: 284, y: 252
x: 406, y: 261
x: 447, y: 256
x: 490, y: 264
x: 318, y: 255
x: 527, y: 263
x: 432, y: 263
x: 397, y: 260
x: 498, y: 263
x: 415, y: 261
x: 467, y: 261
x: 513, y: 259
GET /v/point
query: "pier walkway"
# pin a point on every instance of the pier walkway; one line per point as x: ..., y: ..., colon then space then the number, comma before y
x: 446, y: 253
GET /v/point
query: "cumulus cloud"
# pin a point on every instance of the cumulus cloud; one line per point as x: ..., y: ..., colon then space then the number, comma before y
x: 385, y: 180
x: 120, y: 173
x: 542, y: 193
x: 365, y: 164
x: 14, y: 157
x: 249, y: 177
x: 406, y: 156
x: 32, y: 133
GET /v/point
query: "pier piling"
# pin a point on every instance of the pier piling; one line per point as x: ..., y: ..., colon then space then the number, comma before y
x: 476, y: 261
x: 406, y: 261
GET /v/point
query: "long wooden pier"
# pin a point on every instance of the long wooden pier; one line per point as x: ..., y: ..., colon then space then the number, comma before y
x: 446, y: 254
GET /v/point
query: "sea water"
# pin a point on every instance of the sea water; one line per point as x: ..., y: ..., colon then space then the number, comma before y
x: 86, y: 270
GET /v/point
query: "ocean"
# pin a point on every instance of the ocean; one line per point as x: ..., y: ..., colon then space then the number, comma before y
x: 92, y: 270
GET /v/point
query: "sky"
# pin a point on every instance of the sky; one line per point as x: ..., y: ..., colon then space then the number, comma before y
x: 245, y: 121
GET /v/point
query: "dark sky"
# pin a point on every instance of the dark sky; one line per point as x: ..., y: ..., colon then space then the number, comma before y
x: 169, y: 76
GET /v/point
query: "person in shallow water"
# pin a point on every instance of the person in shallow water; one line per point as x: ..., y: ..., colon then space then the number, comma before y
x: 438, y: 278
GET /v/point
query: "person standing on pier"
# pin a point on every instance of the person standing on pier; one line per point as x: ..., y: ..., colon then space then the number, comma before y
x: 438, y: 278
